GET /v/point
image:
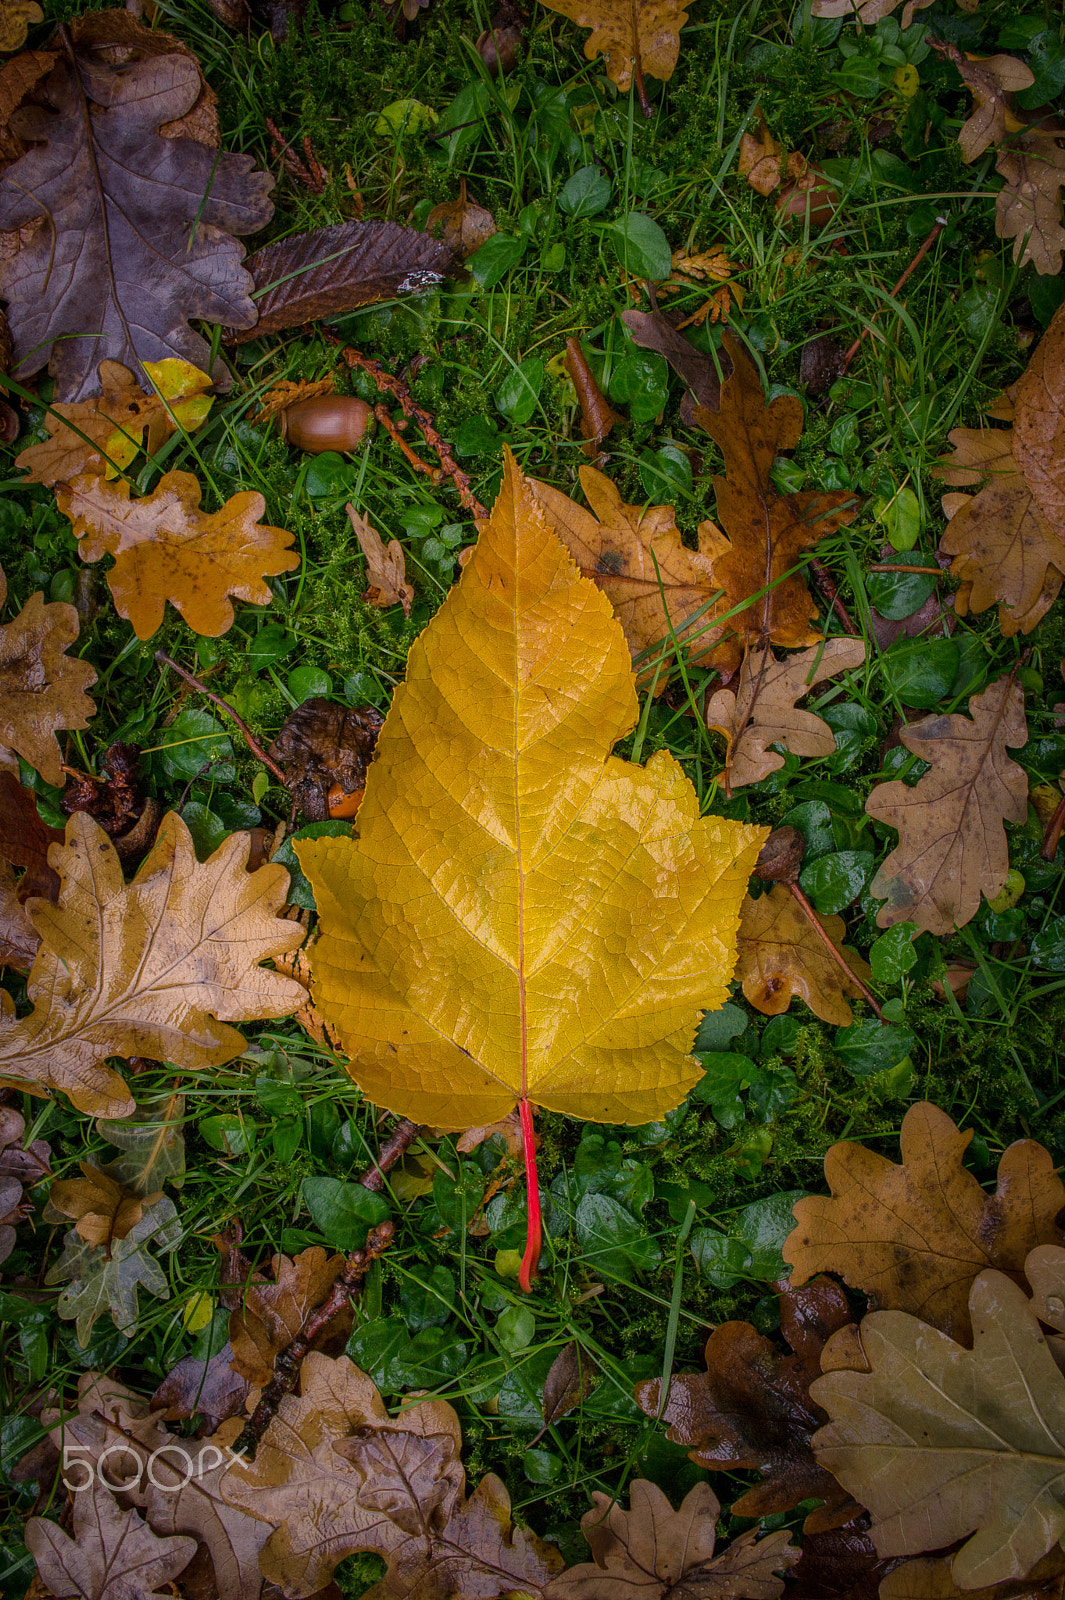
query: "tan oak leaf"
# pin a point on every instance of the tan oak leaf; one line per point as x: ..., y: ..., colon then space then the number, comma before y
x: 781, y: 956
x: 42, y: 689
x: 114, y: 1555
x: 640, y: 37
x: 104, y: 1209
x: 385, y: 566
x: 270, y: 1314
x: 1028, y: 208
x: 1039, y: 424
x: 991, y: 79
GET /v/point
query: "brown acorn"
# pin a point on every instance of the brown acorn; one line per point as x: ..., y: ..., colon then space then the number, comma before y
x: 328, y: 422
x: 498, y: 45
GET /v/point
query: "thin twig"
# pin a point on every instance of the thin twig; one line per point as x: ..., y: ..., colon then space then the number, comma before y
x: 1052, y: 837
x: 827, y: 585
x: 384, y: 417
x: 933, y: 234
x: 223, y: 705
x: 402, y: 1136
x: 839, y: 959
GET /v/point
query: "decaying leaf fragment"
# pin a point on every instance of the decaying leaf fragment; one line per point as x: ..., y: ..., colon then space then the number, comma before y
x: 523, y: 965
x: 166, y: 548
x: 751, y: 1408
x: 324, y: 750
x: 941, y: 1441
x: 461, y: 224
x: 1039, y: 423
x: 42, y: 689
x: 104, y: 1208
x: 651, y: 1552
x: 270, y: 1314
x: 638, y: 38
x: 913, y: 1237
x: 952, y: 842
x: 762, y: 709
x: 386, y: 566
x: 156, y: 967
x: 15, y: 19
x: 780, y: 956
x: 113, y: 1555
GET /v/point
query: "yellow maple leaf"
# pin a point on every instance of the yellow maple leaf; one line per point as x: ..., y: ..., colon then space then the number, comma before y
x: 523, y: 916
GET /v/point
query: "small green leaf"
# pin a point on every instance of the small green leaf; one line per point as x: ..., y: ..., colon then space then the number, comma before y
x: 306, y: 682
x: 921, y: 672
x: 520, y: 391
x: 232, y: 1135
x: 836, y: 881
x: 586, y: 193
x: 642, y: 248
x: 343, y: 1212
x: 516, y: 1328
x: 404, y: 116
x: 870, y: 1046
x: 892, y: 955
x: 496, y: 257
x: 751, y: 1245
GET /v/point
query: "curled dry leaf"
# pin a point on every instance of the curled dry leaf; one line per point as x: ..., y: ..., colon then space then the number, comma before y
x: 333, y: 270
x: 42, y: 689
x: 113, y: 1555
x: 104, y: 1209
x: 101, y: 1278
x: 936, y: 1439
x: 751, y: 1409
x: 597, y: 416
x: 461, y: 224
x: 139, y: 226
x: 1039, y: 424
x: 270, y: 1315
x: 156, y: 967
x: 914, y: 1236
x: 324, y: 751
x: 762, y: 709
x: 166, y: 548
x: 781, y: 956
x: 386, y: 566
x: 335, y: 1474
x: 508, y: 1128
x: 638, y: 38
x: 952, y: 842
x: 104, y: 434
x: 480, y: 750
x: 651, y: 1552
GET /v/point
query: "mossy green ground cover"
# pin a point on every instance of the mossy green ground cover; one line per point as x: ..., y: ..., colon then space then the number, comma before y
x: 442, y: 1311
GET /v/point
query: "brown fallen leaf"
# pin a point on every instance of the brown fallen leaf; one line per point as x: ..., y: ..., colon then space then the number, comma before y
x: 940, y: 1442
x: 156, y: 967
x: 930, y: 1578
x: 100, y: 435
x: 42, y: 689
x: 1039, y: 425
x: 570, y: 1380
x: 913, y: 1237
x: 116, y: 37
x: 18, y: 937
x: 508, y: 1128
x: 636, y: 38
x: 141, y: 225
x: 701, y: 373
x: 761, y: 159
x: 597, y: 416
x: 333, y: 270
x: 651, y: 1552
x: 209, y: 1389
x: 868, y: 11
x: 781, y: 956
x: 1028, y: 208
x: 21, y: 1169
x: 107, y: 1416
x: 335, y: 1474
x: 751, y: 1408
x: 18, y: 78
x: 952, y: 842
x: 104, y: 1208
x: 762, y: 709
x: 270, y: 1314
x: 24, y: 838
x: 167, y: 549
x: 15, y: 19
x: 462, y: 225
x: 385, y: 566
x: 113, y: 1555
x: 991, y: 80
x: 842, y: 1564
x: 324, y: 748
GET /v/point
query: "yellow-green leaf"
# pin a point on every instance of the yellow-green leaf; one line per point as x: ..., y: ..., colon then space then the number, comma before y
x: 523, y: 913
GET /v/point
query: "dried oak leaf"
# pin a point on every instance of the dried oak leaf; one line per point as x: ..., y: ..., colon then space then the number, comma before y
x: 867, y: 11
x: 18, y: 937
x: 115, y: 37
x: 113, y: 1555
x: 940, y: 1442
x: 323, y: 749
x: 335, y: 1474
x: 780, y: 955
x: 270, y: 1315
x: 1028, y: 208
x: 104, y: 434
x: 751, y: 1409
x: 104, y: 1209
x: 102, y: 1278
x: 42, y: 689
x: 386, y: 566
x: 495, y: 817
x: 952, y: 842
x: 762, y: 709
x: 1039, y: 424
x: 156, y: 967
x: 632, y: 36
x: 108, y: 1417
x: 991, y: 80
x: 329, y: 272
x: 133, y: 230
x: 166, y: 548
x: 701, y: 373
x: 652, y: 1552
x: 914, y: 1236
x: 930, y: 1578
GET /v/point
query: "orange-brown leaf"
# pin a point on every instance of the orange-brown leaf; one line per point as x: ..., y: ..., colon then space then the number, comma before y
x: 270, y: 1315
x: 42, y: 689
x: 166, y: 548
x: 781, y: 955
x: 597, y: 415
x: 914, y: 1236
x: 991, y: 80
x: 1039, y: 425
x: 641, y: 36
x: 103, y: 1209
x: 386, y: 566
x: 461, y: 224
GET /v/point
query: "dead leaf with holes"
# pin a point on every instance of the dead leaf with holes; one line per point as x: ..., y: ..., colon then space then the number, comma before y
x: 270, y: 1314
x: 335, y: 1474
x: 780, y: 956
x: 167, y: 549
x: 103, y: 1208
x: 386, y: 566
x: 121, y: 420
x: 751, y: 1409
x: 113, y: 1555
x: 914, y: 1236
x: 157, y: 967
x: 42, y: 689
x: 324, y: 751
x: 952, y: 840
x: 636, y: 38
x: 762, y: 708
x: 651, y: 1552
